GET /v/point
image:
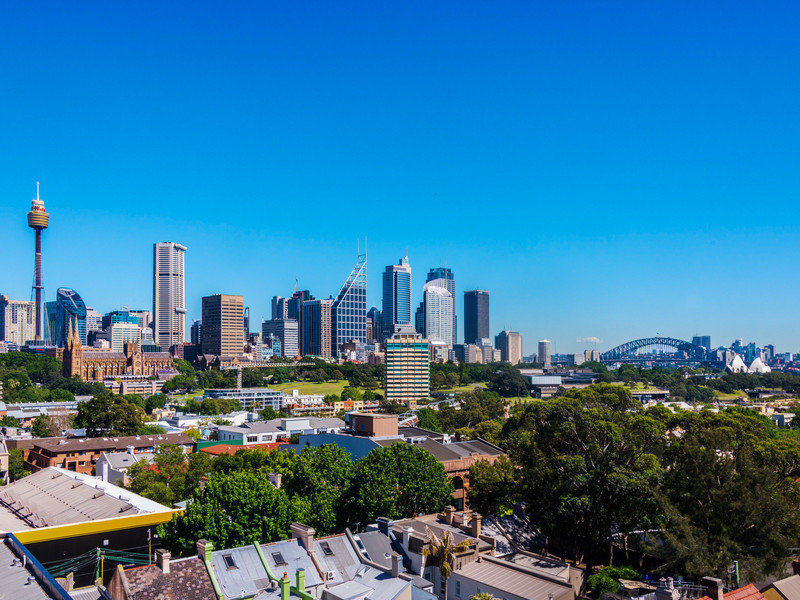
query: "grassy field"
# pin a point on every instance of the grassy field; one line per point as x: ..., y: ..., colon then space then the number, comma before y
x: 737, y: 394
x: 309, y: 387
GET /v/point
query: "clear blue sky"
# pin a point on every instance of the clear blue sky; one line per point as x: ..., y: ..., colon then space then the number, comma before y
x: 606, y: 169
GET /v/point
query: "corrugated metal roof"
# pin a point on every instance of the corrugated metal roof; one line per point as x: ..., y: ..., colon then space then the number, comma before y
x: 511, y: 580
x: 243, y: 575
x: 341, y: 559
x: 789, y: 587
x: 15, y: 579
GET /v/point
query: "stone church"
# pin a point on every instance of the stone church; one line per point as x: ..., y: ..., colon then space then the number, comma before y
x: 92, y: 364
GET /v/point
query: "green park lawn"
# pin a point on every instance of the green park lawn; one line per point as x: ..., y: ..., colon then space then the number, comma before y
x: 309, y: 387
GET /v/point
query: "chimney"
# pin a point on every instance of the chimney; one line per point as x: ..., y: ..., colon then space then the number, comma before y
x: 384, y: 525
x: 713, y: 587
x: 304, y: 534
x: 204, y: 547
x: 476, y: 525
x: 449, y: 511
x: 395, y: 565
x: 162, y: 560
x: 131, y: 451
x: 301, y: 580
x: 405, y: 537
x: 284, y: 583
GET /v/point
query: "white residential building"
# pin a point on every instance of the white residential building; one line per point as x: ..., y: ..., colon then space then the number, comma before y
x: 438, y: 313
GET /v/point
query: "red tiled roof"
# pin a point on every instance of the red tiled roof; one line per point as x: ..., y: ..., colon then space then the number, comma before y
x: 748, y: 592
x: 218, y: 449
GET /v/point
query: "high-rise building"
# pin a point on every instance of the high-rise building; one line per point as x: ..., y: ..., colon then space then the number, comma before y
x: 38, y: 220
x: 196, y: 332
x: 119, y: 316
x: 17, y: 321
x: 223, y: 325
x: 476, y: 315
x: 407, y: 369
x: 94, y: 320
x: 591, y: 355
x: 438, y: 313
x: 169, y: 294
x: 702, y: 340
x: 349, y: 310
x: 280, y: 307
x: 246, y: 323
x: 486, y: 349
x: 510, y: 345
x: 294, y: 308
x: 443, y: 277
x: 396, y: 313
x: 120, y: 334
x: 419, y: 317
x: 544, y: 353
x: 68, y: 307
x: 373, y: 325
x: 286, y: 331
x: 316, y: 339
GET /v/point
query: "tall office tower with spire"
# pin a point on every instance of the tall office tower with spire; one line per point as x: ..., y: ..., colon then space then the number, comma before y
x: 443, y: 277
x: 38, y: 220
x: 476, y: 316
x: 169, y: 294
x: 396, y: 313
x: 349, y: 310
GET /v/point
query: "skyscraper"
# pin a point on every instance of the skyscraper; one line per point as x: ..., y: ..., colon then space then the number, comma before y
x: 223, y: 325
x: 438, y: 313
x: 17, y: 321
x: 68, y: 307
x: 476, y: 316
x: 349, y: 310
x: 94, y: 321
x: 280, y: 307
x: 544, y: 353
x: 196, y: 332
x: 373, y: 325
x: 510, y: 345
x: 169, y: 294
x: 316, y: 339
x: 444, y: 278
x: 396, y: 313
x: 286, y: 331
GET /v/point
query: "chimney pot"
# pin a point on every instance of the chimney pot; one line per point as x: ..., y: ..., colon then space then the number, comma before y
x: 395, y: 565
x: 449, y: 511
x: 162, y: 560
x: 713, y: 587
x: 203, y: 547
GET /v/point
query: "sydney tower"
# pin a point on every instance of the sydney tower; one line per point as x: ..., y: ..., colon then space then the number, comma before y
x: 38, y: 220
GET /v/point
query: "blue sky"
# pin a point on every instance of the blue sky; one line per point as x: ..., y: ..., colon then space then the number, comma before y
x: 606, y: 170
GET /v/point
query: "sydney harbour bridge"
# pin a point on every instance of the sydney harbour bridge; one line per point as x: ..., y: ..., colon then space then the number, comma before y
x: 656, y: 349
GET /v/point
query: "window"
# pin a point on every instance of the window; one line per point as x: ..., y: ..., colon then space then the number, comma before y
x: 326, y: 548
x: 278, y: 558
x: 458, y: 589
x: 229, y: 562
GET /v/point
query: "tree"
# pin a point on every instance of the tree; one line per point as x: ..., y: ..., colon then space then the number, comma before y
x: 322, y: 476
x: 153, y: 402
x: 336, y: 375
x: 16, y: 464
x: 606, y: 580
x: 351, y: 393
x: 440, y: 554
x: 494, y: 488
x: 173, y: 476
x: 108, y: 413
x: 39, y: 427
x: 7, y: 421
x: 428, y: 419
x: 233, y: 509
x: 398, y: 481
x: 508, y: 381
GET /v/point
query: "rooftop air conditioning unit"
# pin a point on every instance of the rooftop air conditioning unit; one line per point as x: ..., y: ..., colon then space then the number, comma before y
x: 331, y: 575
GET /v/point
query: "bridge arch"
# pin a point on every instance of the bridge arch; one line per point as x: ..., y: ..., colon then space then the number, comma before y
x: 628, y: 349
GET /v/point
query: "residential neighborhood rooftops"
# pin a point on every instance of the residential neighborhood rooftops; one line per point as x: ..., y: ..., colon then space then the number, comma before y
x: 748, y: 592
x: 123, y: 460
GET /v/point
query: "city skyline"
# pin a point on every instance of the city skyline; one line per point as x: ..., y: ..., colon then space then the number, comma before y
x: 644, y: 157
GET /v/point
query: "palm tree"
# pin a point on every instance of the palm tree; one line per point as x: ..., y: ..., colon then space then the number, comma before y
x: 440, y: 554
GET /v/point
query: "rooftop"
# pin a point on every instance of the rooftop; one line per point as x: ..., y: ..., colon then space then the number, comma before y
x: 121, y: 443
x: 514, y: 580
x: 15, y: 578
x: 187, y: 580
x: 123, y: 460
x: 55, y: 496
